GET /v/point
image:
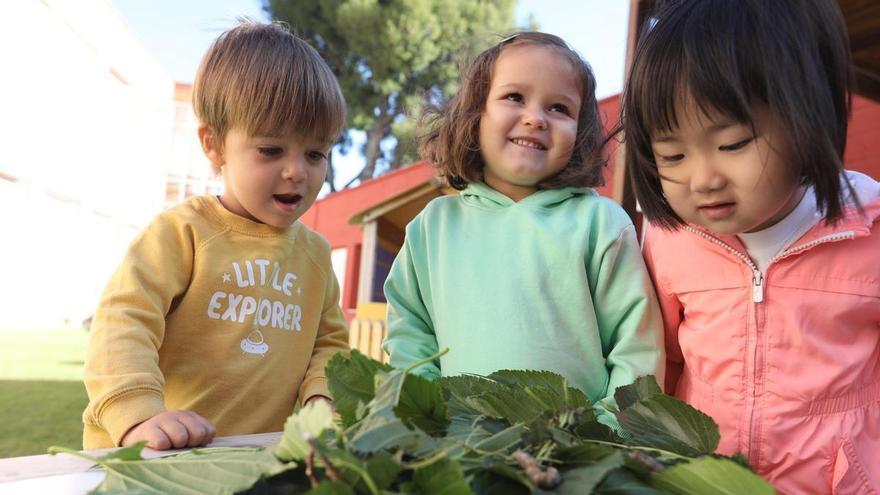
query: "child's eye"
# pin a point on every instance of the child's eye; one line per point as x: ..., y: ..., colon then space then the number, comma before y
x: 559, y: 107
x: 316, y: 156
x: 270, y: 151
x: 737, y: 145
x: 670, y: 159
x: 513, y: 97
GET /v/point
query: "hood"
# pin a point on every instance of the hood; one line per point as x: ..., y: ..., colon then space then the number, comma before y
x: 479, y: 194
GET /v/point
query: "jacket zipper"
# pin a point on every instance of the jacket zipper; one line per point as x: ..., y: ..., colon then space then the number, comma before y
x: 758, y: 297
x: 757, y: 276
x: 837, y: 236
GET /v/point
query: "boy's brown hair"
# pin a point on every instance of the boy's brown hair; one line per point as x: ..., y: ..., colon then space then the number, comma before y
x: 451, y: 142
x: 263, y: 80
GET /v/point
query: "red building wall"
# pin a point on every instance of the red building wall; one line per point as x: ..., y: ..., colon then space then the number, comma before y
x: 329, y: 216
x: 608, y: 111
x: 863, y: 139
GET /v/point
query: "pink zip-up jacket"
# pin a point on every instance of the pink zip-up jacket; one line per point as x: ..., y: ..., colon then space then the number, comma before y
x: 787, y: 362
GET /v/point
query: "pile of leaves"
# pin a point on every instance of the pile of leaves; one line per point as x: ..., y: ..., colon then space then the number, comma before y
x: 512, y: 432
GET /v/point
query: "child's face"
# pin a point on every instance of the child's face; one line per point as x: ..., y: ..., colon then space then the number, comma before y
x: 271, y: 180
x: 529, y: 124
x: 719, y: 174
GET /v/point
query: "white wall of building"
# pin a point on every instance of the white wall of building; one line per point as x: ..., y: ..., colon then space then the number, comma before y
x: 86, y: 122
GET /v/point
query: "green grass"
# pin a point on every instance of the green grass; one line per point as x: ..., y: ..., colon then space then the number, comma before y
x: 41, y: 390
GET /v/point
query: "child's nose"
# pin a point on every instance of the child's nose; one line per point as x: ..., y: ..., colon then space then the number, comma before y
x: 534, y: 118
x: 295, y: 170
x: 705, y: 177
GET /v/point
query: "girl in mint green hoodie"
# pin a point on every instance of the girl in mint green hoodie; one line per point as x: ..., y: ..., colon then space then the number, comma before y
x: 528, y: 268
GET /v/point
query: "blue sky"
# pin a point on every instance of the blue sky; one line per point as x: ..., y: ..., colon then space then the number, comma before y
x: 178, y: 32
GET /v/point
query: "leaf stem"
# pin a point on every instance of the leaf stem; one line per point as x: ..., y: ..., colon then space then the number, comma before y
x: 371, y: 485
x: 638, y: 447
x: 64, y: 450
x: 425, y: 361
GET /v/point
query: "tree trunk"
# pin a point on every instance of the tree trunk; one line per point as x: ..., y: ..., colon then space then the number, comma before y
x: 372, y: 149
x: 330, y: 179
x: 397, y: 161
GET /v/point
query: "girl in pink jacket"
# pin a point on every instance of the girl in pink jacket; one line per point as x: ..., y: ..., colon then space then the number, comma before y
x: 764, y: 251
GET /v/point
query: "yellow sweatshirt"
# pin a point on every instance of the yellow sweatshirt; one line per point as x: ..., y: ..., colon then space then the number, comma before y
x: 213, y: 313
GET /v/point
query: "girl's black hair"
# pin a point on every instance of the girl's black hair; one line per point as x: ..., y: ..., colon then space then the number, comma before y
x: 790, y: 55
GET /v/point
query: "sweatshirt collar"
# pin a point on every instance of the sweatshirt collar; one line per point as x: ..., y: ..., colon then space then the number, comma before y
x: 479, y: 194
x: 246, y: 225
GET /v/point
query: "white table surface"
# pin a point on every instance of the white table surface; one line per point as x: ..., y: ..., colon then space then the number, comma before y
x: 64, y: 474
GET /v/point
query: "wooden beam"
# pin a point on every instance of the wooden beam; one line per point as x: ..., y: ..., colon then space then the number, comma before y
x: 368, y: 261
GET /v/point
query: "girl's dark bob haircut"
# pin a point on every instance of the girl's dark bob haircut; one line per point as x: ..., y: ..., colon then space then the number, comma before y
x: 451, y: 142
x: 790, y: 55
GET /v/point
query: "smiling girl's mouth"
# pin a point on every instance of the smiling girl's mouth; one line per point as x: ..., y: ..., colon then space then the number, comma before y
x: 528, y: 143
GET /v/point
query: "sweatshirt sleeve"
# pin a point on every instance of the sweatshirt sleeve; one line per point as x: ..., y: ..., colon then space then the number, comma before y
x: 122, y: 375
x: 332, y: 337
x: 629, y: 319
x: 671, y: 310
x: 411, y: 335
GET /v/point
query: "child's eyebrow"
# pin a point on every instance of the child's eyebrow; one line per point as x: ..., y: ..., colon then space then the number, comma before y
x: 712, y: 129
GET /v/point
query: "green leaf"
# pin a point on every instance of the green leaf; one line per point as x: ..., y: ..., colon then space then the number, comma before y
x: 459, y: 389
x: 643, y: 388
x: 623, y: 482
x: 710, y: 475
x: 594, y: 430
x: 289, y: 481
x: 584, y: 479
x: 498, y: 443
x: 331, y: 488
x: 584, y: 454
x: 385, y: 432
x: 387, y: 448
x: 666, y: 423
x: 350, y: 379
x: 548, y: 391
x: 516, y: 396
x: 742, y: 460
x: 466, y: 428
x: 205, y: 471
x: 383, y: 469
x: 130, y: 453
x: 444, y: 477
x: 498, y: 478
x: 382, y: 429
x: 307, y: 423
x: 421, y: 405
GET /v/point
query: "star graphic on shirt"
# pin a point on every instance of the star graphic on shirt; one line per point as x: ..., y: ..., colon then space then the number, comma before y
x: 227, y: 278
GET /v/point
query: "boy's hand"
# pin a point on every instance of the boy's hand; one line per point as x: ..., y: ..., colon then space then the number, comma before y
x: 171, y: 429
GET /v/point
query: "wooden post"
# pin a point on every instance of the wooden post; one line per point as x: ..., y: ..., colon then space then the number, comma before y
x: 368, y: 261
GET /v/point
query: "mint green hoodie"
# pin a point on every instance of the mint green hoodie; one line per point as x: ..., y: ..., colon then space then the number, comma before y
x: 554, y: 282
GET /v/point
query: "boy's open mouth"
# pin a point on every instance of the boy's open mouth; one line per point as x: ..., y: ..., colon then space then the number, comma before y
x: 288, y: 199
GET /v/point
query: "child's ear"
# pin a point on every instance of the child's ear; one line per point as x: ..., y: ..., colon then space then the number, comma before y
x: 211, y: 145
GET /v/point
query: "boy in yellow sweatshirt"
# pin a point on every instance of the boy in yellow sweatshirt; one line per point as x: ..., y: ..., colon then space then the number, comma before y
x: 225, y: 309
